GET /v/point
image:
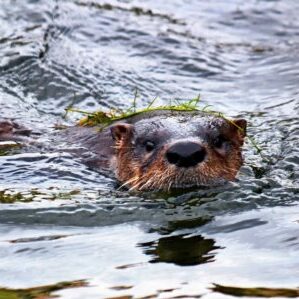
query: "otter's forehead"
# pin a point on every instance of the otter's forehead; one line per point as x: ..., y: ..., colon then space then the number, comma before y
x: 179, y: 126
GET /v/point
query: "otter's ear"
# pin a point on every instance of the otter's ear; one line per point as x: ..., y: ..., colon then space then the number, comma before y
x: 121, y: 131
x: 240, y: 125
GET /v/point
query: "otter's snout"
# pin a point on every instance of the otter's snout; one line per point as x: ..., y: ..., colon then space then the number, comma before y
x: 186, y: 154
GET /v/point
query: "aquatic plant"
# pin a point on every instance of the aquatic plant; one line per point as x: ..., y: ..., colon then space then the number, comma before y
x: 8, y: 196
x: 7, y: 146
x: 41, y: 292
x: 256, y: 292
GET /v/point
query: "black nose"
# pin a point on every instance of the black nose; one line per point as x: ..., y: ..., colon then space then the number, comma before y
x: 186, y: 154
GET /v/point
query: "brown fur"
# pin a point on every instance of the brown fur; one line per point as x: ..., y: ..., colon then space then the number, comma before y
x: 159, y: 174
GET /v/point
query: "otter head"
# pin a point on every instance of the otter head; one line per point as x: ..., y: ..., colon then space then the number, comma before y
x: 178, y: 150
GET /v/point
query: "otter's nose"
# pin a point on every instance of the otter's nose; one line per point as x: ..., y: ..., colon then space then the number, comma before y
x: 186, y: 154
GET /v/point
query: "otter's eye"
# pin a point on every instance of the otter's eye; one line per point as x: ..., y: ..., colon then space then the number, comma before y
x: 149, y: 146
x: 219, y: 141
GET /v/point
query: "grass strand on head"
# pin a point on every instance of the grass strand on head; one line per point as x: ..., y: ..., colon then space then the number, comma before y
x: 104, y: 119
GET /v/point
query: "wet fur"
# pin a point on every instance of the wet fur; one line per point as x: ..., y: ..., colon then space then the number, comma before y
x: 116, y: 149
x: 148, y: 172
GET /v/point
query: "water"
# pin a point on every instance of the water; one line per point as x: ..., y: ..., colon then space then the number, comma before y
x: 63, y: 222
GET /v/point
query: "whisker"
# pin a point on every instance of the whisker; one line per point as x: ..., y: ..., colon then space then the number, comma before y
x: 129, y: 182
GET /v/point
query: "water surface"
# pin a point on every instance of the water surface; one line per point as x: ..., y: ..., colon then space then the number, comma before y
x: 62, y: 222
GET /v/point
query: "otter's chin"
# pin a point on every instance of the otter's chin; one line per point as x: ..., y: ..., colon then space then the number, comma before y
x: 188, y: 178
x: 200, y: 176
x: 193, y: 185
x: 206, y: 183
x: 171, y: 186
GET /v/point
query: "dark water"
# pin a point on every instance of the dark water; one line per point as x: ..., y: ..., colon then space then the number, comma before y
x: 63, y: 222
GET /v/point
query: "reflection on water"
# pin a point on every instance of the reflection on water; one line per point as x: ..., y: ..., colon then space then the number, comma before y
x: 39, y: 292
x: 181, y: 250
x: 257, y: 292
x: 60, y: 221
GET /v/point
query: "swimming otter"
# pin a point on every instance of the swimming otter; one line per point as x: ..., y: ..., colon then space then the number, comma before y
x: 156, y: 150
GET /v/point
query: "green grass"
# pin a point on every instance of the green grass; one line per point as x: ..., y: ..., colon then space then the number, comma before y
x: 107, y: 118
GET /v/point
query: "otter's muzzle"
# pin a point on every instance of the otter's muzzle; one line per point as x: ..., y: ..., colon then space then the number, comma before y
x: 186, y: 154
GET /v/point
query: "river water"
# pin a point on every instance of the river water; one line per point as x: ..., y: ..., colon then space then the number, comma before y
x: 62, y: 222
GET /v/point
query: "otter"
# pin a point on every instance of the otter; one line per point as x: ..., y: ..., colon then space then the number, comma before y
x: 155, y: 150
